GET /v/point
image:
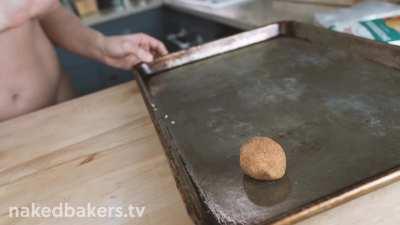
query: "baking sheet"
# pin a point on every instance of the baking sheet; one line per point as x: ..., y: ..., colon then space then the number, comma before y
x: 335, y: 112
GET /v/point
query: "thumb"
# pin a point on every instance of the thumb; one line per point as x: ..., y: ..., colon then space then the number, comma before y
x: 141, y: 54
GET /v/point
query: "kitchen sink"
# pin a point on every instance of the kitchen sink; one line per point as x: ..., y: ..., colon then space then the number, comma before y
x: 177, y: 29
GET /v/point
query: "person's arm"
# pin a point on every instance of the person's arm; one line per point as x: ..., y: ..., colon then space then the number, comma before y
x: 14, y: 13
x: 66, y: 31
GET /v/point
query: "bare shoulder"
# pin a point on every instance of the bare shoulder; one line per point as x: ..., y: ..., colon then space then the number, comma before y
x: 14, y: 13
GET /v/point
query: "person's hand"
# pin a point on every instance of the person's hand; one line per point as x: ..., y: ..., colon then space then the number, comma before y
x: 128, y: 50
x: 17, y: 12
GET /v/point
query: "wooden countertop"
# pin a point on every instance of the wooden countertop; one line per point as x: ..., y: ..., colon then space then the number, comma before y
x: 102, y: 149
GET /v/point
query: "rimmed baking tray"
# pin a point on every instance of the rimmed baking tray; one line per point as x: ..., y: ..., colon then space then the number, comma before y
x: 332, y: 100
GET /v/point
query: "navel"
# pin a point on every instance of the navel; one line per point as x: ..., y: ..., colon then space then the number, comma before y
x: 15, y: 97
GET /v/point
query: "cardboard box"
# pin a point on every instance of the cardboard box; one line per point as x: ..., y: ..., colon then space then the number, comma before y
x: 86, y: 7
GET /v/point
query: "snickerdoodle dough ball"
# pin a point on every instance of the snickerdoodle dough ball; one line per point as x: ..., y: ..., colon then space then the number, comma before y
x: 263, y: 159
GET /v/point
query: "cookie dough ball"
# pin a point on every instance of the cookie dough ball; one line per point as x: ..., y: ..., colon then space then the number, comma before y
x: 263, y: 159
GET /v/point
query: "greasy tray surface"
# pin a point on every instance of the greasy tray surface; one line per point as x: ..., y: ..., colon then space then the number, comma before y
x: 335, y: 114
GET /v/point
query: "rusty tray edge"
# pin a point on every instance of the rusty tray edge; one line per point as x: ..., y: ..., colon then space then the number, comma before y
x: 340, y: 197
x: 182, y: 178
x: 210, y: 49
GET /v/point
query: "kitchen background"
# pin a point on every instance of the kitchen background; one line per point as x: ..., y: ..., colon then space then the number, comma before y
x: 182, y: 24
x: 177, y: 29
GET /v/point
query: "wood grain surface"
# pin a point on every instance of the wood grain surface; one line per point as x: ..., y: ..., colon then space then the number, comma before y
x: 102, y: 149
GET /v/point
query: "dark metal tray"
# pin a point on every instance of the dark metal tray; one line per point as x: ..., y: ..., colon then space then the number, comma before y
x: 331, y: 100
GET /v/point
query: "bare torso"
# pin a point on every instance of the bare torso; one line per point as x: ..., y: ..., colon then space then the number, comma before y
x: 29, y: 70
